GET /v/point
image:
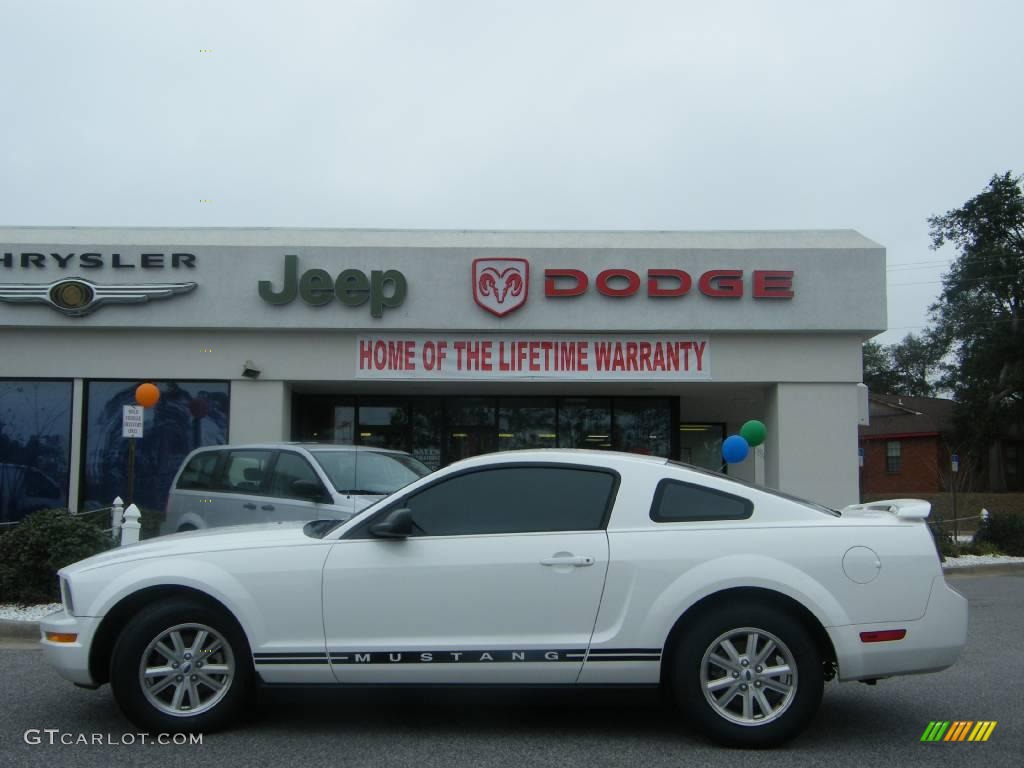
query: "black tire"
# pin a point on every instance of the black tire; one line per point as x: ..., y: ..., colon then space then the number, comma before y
x: 186, y: 527
x: 187, y: 617
x: 727, y: 722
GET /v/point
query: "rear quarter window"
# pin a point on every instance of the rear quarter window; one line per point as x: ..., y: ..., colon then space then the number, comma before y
x: 679, y: 502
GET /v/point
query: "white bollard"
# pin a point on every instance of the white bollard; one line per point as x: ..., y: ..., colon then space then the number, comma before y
x: 116, y: 516
x: 984, y: 515
x: 131, y: 527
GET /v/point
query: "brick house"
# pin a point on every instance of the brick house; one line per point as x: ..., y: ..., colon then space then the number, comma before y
x: 906, y: 445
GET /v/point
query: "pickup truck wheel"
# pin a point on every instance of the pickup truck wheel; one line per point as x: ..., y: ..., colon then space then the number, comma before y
x: 181, y: 666
x: 748, y: 676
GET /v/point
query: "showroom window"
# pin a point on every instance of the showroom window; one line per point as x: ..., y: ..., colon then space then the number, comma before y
x: 35, y: 446
x: 893, y: 457
x: 188, y: 415
x: 701, y: 445
x: 514, y: 500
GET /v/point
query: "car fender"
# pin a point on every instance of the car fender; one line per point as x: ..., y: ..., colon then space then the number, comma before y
x: 193, y: 573
x: 737, y: 571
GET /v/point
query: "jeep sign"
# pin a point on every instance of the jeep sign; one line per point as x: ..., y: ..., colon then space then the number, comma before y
x: 384, y: 289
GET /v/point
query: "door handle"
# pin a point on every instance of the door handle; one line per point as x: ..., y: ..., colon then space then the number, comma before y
x: 580, y: 561
x: 267, y: 507
x: 249, y: 505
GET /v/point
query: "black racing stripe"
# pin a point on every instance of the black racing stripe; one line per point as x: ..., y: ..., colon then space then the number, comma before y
x: 625, y: 658
x: 320, y: 654
x: 620, y: 651
x: 262, y: 662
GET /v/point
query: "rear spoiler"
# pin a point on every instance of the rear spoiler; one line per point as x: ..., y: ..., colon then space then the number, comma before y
x: 905, y: 509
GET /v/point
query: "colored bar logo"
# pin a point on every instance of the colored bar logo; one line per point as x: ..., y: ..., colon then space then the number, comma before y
x: 958, y: 730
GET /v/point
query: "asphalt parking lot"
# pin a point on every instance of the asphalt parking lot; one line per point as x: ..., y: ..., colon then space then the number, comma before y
x: 857, y: 726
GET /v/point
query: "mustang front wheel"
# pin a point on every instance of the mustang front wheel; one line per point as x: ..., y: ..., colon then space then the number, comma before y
x: 181, y: 666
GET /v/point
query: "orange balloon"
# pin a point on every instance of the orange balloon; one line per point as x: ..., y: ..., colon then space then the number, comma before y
x: 147, y: 395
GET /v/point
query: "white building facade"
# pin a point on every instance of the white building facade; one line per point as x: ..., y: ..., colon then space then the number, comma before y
x: 441, y: 343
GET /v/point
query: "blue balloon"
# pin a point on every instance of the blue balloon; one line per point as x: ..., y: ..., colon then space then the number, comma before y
x: 735, y: 449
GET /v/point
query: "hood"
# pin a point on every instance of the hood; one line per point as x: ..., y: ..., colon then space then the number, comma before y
x: 256, y: 536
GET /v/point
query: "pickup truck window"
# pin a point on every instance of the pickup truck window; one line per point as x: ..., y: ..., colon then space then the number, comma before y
x: 676, y: 501
x: 513, y: 500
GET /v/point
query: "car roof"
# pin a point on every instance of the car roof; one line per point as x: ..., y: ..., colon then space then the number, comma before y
x: 563, y: 455
x: 304, y: 446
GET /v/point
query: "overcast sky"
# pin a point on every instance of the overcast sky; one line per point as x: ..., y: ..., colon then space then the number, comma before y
x: 551, y: 114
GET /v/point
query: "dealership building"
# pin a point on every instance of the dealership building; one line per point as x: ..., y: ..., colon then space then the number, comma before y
x: 445, y: 344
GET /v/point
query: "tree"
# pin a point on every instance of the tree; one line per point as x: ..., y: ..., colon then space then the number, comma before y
x: 908, y: 367
x: 979, y: 315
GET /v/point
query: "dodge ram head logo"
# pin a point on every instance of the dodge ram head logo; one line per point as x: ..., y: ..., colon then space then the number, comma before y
x: 501, y: 285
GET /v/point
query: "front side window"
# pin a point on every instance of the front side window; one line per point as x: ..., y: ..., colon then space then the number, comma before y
x: 514, y: 500
x: 289, y: 470
x: 676, y: 502
x: 893, y: 457
x: 198, y: 474
x: 368, y: 472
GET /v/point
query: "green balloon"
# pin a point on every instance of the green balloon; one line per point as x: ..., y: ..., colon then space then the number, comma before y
x: 753, y: 432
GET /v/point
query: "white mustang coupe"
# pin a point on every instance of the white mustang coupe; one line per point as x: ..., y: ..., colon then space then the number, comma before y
x: 532, y: 568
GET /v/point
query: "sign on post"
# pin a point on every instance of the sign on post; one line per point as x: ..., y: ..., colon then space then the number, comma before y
x: 956, y: 462
x: 131, y: 421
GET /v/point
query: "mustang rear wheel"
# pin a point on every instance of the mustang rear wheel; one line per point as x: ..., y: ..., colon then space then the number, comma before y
x: 748, y: 675
x: 181, y: 666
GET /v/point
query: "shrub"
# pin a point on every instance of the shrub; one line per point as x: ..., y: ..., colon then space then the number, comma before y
x: 33, y: 552
x: 1004, y: 531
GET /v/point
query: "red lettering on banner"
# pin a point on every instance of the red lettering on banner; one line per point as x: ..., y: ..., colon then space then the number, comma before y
x: 699, y: 350
x: 365, y: 354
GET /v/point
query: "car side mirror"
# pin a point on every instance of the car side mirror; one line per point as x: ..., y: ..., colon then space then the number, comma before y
x: 396, y: 525
x: 308, y: 490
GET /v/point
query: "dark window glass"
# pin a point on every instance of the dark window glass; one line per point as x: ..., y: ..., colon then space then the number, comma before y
x: 585, y: 422
x: 893, y: 456
x: 701, y: 445
x: 472, y: 428
x: 526, y: 423
x: 35, y: 446
x: 513, y: 500
x: 641, y: 426
x: 290, y: 469
x: 675, y: 501
x: 198, y: 475
x: 243, y: 471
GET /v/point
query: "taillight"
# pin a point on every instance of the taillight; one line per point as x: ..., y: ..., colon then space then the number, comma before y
x: 883, y: 636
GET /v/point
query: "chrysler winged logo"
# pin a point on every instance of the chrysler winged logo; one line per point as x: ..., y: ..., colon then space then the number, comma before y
x: 76, y: 296
x: 501, y: 285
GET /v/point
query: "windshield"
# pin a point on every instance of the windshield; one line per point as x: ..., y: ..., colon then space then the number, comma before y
x: 368, y: 472
x: 788, y: 497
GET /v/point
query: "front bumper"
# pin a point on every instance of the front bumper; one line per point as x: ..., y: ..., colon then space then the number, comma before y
x: 932, y: 643
x: 71, y: 660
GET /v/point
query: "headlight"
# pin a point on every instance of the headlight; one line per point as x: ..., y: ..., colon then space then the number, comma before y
x: 65, y: 594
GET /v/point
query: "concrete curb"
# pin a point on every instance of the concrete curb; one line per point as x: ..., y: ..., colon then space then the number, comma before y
x: 19, y: 630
